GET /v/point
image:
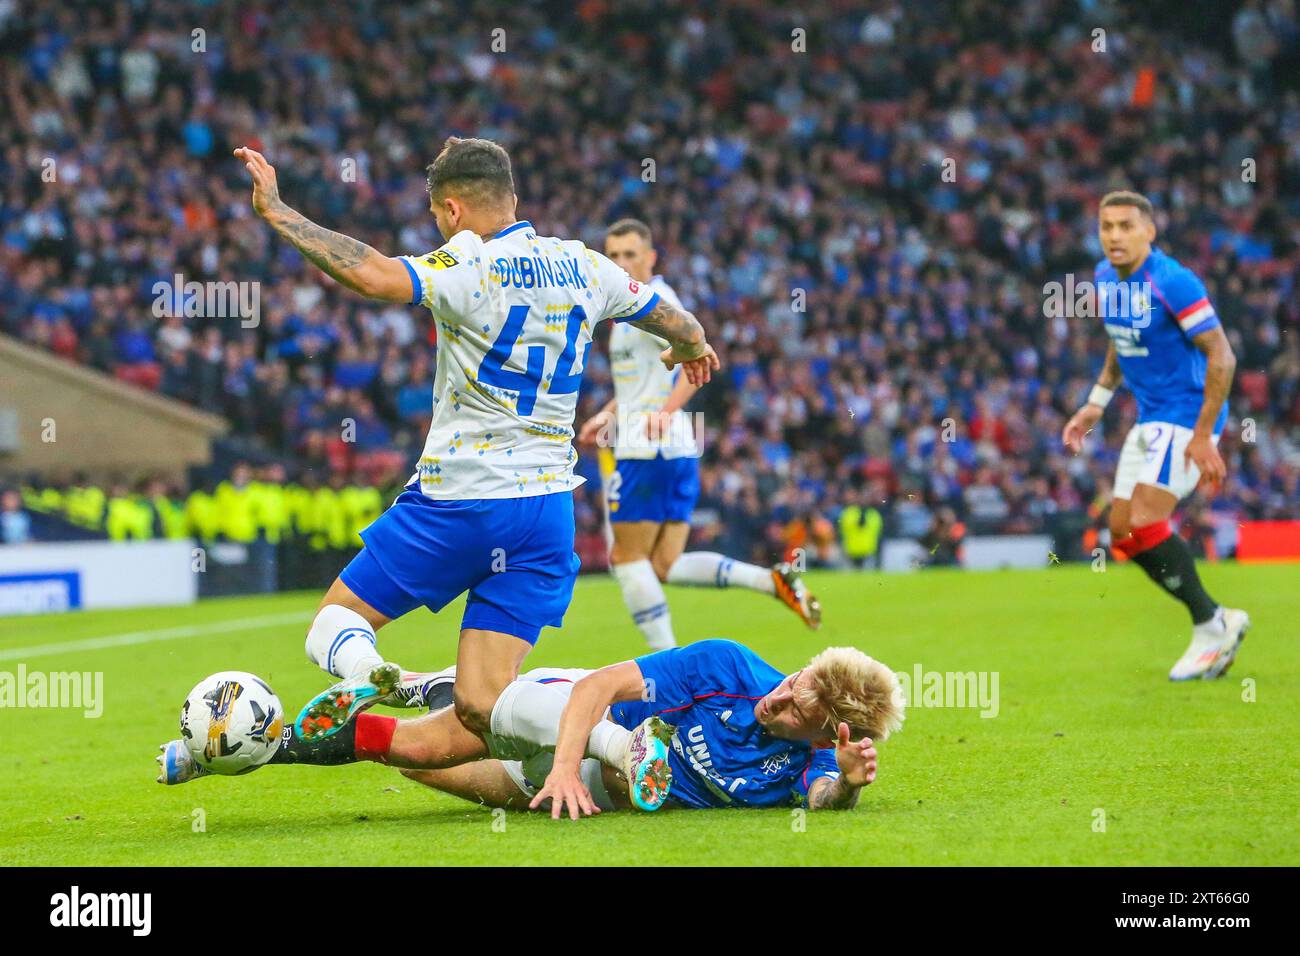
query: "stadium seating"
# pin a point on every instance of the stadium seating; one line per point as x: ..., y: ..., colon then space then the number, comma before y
x: 882, y: 324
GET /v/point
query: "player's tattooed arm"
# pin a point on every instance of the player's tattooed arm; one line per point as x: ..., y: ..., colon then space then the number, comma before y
x: 348, y: 261
x: 678, y: 326
x: 688, y: 346
x: 1220, y: 366
x: 832, y: 793
x: 1111, y: 377
x: 857, y: 760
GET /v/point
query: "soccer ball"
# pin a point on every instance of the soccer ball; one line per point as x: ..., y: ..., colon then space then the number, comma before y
x: 232, y: 722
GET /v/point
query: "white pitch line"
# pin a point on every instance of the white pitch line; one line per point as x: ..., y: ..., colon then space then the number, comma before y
x: 148, y: 637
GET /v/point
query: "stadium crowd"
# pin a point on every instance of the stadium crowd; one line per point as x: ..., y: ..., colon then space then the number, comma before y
x: 863, y: 207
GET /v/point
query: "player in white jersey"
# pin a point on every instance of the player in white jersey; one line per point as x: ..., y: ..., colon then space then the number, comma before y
x: 652, y: 488
x: 489, y: 510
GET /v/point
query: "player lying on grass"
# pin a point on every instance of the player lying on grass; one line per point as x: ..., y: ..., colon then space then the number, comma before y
x: 1168, y: 346
x: 489, y: 510
x: 739, y: 733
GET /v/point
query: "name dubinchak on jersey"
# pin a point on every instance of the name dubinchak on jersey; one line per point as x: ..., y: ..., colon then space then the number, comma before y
x: 515, y: 316
x: 641, y: 387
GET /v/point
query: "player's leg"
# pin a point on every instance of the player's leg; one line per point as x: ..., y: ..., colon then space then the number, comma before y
x: 526, y: 726
x: 486, y: 783
x: 342, y: 642
x: 506, y: 784
x: 709, y: 568
x: 643, y: 592
x: 380, y: 584
x: 637, y: 497
x: 487, y: 662
x: 341, y: 639
x: 1147, y: 492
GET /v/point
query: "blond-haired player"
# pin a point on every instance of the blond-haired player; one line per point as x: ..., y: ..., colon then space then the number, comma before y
x: 741, y: 733
x: 747, y: 735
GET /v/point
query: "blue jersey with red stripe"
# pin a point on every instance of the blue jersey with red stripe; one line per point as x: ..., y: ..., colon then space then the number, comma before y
x: 1152, y: 317
x: 721, y: 756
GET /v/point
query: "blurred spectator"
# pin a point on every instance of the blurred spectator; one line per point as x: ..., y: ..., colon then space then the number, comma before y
x: 860, y: 527
x: 15, y: 522
x: 943, y: 539
x: 878, y: 321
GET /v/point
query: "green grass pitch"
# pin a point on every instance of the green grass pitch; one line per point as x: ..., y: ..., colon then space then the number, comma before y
x: 1094, y: 758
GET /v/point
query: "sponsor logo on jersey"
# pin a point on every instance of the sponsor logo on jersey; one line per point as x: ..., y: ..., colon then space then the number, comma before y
x: 442, y: 259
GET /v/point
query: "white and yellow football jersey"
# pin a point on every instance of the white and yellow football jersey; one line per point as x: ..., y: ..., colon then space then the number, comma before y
x: 641, y: 386
x: 515, y: 316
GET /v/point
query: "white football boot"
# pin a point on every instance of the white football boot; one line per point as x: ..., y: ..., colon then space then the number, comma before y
x: 433, y: 690
x: 177, y: 765
x: 1214, y: 646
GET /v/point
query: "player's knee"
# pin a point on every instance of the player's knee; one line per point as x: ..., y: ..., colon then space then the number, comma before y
x: 661, y: 568
x: 474, y: 710
x: 622, y: 554
x: 1119, y: 527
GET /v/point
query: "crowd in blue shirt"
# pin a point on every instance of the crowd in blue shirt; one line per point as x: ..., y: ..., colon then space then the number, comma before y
x: 864, y: 219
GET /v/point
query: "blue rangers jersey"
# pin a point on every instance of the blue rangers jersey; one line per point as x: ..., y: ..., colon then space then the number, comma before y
x: 1152, y: 317
x: 722, y: 756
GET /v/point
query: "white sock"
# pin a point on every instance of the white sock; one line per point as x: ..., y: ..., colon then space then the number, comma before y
x: 341, y: 642
x: 608, y: 743
x: 710, y: 569
x: 1214, y: 626
x: 644, y: 597
x: 526, y: 721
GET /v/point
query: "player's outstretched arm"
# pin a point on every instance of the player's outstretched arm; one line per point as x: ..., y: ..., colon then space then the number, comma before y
x: 857, y: 762
x: 688, y: 347
x: 587, y: 704
x: 348, y: 261
x: 1085, y: 418
x: 1220, y: 366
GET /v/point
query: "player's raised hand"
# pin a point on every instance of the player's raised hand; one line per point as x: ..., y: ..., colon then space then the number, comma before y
x: 266, y: 191
x: 698, y: 370
x: 1202, y: 451
x: 1082, y: 422
x: 856, y: 759
x: 565, y: 788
